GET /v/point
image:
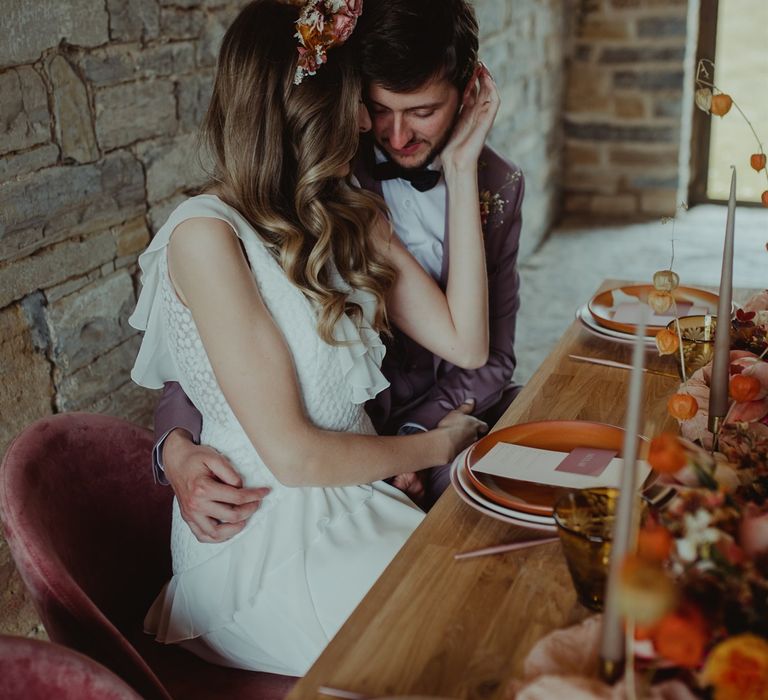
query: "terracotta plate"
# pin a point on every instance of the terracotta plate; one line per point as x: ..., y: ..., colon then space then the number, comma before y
x: 603, y: 305
x: 556, y: 435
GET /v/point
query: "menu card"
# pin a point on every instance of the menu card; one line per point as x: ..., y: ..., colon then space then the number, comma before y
x: 629, y: 312
x: 583, y: 467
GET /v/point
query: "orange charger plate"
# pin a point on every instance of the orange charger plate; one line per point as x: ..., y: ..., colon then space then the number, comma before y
x: 555, y: 435
x: 601, y: 306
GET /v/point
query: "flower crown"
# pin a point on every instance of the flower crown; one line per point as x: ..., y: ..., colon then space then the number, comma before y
x: 322, y: 25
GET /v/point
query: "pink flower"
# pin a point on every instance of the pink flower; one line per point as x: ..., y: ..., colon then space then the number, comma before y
x: 343, y: 25
x: 758, y: 302
x: 345, y: 20
x: 355, y: 8
x: 747, y: 412
x: 753, y: 531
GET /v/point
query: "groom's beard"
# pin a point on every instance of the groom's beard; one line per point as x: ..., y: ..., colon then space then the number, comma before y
x: 433, y: 153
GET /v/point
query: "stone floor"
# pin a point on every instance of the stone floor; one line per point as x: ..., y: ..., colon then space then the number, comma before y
x: 566, y: 270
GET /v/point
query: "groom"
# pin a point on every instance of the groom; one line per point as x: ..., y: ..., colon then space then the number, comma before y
x: 416, y: 57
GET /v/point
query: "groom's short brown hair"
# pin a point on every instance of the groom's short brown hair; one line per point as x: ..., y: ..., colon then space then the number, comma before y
x: 402, y: 44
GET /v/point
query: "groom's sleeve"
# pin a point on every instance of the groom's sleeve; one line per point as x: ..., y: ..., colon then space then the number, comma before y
x: 486, y: 384
x: 174, y: 410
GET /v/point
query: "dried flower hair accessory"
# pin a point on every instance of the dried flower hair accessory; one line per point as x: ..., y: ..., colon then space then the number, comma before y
x: 322, y: 25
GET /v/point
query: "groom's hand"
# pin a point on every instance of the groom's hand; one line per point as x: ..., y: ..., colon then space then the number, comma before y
x: 210, y: 492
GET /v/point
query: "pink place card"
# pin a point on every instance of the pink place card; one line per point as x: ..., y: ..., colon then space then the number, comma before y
x: 586, y: 461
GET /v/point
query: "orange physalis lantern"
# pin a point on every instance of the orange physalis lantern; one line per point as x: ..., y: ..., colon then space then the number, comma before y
x: 744, y: 387
x: 757, y: 161
x: 721, y: 104
x: 667, y: 342
x: 654, y: 542
x: 666, y: 455
x: 682, y: 406
x: 659, y: 301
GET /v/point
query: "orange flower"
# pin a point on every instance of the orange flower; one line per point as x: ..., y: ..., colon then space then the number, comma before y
x: 682, y: 406
x: 667, y: 342
x: 757, y: 161
x: 654, y: 542
x: 738, y: 668
x: 666, y: 455
x: 744, y: 387
x: 681, y: 637
x: 643, y: 632
x: 721, y: 104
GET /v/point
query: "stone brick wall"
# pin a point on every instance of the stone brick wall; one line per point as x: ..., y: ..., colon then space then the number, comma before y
x: 99, y: 104
x: 622, y: 119
x: 523, y: 44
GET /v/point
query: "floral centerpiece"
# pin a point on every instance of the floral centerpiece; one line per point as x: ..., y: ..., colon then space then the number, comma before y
x: 694, y: 590
x: 697, y: 585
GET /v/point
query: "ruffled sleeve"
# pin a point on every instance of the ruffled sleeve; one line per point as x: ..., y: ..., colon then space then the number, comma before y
x: 155, y: 363
x: 362, y: 353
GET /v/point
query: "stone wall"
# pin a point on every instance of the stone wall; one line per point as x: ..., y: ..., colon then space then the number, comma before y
x: 622, y: 119
x: 99, y: 102
x: 523, y: 43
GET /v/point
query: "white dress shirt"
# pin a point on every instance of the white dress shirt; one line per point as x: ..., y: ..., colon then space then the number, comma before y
x: 418, y: 217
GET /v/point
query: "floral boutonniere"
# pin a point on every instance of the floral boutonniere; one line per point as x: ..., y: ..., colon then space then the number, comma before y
x: 490, y: 204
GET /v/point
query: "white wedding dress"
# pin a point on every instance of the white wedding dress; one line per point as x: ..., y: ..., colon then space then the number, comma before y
x: 272, y: 597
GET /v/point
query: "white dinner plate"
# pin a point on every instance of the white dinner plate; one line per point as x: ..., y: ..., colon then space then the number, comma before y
x: 591, y: 326
x: 497, y: 512
x: 472, y: 492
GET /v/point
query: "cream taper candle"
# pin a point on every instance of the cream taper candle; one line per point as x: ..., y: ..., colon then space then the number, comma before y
x: 612, y: 650
x: 718, y: 385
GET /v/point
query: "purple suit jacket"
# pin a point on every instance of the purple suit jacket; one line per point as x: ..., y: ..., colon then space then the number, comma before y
x: 424, y: 387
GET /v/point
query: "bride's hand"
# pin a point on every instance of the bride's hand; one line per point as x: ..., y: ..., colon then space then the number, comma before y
x: 462, y: 428
x: 480, y: 103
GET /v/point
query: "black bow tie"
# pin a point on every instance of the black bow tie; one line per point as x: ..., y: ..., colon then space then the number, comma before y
x: 422, y: 179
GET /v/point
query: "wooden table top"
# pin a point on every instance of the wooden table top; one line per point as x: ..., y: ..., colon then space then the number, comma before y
x: 432, y: 625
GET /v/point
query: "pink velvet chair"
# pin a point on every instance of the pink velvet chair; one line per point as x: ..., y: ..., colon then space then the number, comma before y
x: 89, y: 531
x: 34, y: 670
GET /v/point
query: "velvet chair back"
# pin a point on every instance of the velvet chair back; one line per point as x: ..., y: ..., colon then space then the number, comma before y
x: 31, y: 669
x: 89, y: 531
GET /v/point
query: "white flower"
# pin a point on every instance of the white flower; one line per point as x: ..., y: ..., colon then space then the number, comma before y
x: 697, y: 533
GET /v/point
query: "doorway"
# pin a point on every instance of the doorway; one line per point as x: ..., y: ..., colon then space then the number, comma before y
x: 733, y: 33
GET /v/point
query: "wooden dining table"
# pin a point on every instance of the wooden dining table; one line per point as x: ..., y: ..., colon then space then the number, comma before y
x: 432, y: 625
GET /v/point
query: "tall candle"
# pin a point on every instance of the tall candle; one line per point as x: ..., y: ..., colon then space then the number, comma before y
x: 718, y: 385
x: 612, y: 641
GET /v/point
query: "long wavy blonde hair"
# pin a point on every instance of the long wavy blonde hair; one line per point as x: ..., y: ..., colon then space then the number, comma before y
x: 280, y: 154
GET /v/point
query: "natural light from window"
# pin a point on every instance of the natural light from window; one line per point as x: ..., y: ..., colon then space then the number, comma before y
x: 741, y: 67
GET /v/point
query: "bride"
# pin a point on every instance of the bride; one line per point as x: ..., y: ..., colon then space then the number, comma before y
x: 264, y: 298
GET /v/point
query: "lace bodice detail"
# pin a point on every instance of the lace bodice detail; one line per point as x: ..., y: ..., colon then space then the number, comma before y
x: 327, y: 397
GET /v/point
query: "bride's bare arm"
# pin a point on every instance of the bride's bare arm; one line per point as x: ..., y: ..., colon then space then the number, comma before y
x: 254, y: 369
x: 453, y: 325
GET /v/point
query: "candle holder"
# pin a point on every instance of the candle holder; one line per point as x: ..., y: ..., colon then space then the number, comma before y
x: 585, y: 520
x: 698, y: 336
